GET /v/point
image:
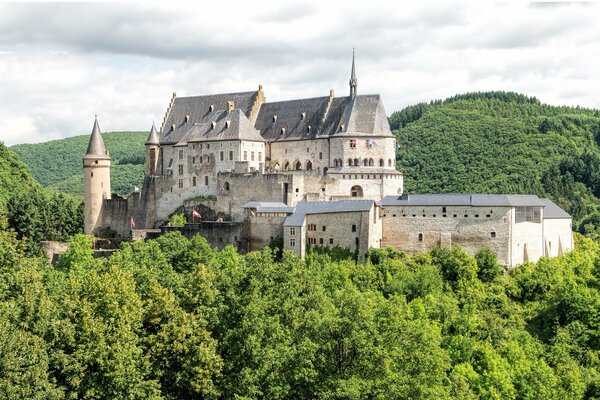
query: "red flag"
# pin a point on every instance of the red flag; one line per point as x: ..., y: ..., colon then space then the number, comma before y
x: 196, y: 214
x: 132, y: 222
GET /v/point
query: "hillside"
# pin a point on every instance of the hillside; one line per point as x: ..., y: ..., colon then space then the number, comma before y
x: 503, y: 142
x: 57, y: 164
x: 33, y: 212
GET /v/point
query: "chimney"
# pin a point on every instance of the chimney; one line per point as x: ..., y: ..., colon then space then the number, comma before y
x: 230, y: 106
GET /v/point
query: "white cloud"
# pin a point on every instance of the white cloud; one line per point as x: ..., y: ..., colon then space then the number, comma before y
x: 62, y: 63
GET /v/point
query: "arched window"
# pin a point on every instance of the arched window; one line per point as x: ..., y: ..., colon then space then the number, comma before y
x: 365, y: 162
x: 371, y: 162
x: 356, y: 162
x: 389, y: 162
x: 286, y: 166
x: 381, y: 162
x: 340, y: 162
x: 298, y: 166
x: 226, y: 186
x: 356, y: 191
x: 308, y: 165
x: 335, y: 162
x: 349, y: 162
x: 276, y: 166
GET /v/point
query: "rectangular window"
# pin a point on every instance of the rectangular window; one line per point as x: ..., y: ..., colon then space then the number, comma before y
x: 527, y: 214
x: 221, y: 156
x: 324, y: 228
x: 493, y: 235
x: 330, y: 240
x: 181, y: 154
x: 206, y: 180
x: 321, y: 241
x: 181, y: 184
x: 230, y: 155
x: 312, y: 227
x: 251, y: 156
x: 353, y: 228
x: 353, y: 144
x: 245, y: 156
x: 312, y: 241
x: 292, y: 242
x: 259, y: 156
x: 194, y: 181
x: 293, y: 231
x: 320, y: 156
x: 181, y: 170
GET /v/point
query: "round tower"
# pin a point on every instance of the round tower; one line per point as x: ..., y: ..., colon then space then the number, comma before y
x: 96, y: 180
x: 152, y: 152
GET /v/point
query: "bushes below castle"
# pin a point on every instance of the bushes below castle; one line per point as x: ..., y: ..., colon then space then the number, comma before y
x: 174, y: 318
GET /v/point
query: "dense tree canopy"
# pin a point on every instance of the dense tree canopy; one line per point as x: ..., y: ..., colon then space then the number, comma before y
x: 173, y: 318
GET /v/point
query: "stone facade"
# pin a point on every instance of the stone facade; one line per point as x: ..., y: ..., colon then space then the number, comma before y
x: 318, y: 171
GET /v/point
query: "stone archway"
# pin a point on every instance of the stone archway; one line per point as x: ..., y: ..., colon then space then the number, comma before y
x: 356, y: 191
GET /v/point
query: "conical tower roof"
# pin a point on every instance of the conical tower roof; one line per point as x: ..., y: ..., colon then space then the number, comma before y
x: 153, y: 136
x: 96, y: 149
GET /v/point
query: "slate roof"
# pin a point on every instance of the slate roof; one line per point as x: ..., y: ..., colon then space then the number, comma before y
x: 153, y: 136
x: 552, y: 211
x: 475, y: 200
x: 362, y: 116
x: 266, y: 206
x: 198, y: 110
x: 96, y: 148
x: 227, y: 126
x: 304, y: 208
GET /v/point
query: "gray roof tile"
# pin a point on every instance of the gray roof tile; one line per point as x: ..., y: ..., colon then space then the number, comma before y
x: 475, y: 200
x: 232, y: 125
x: 304, y: 208
x: 96, y: 148
x: 552, y: 211
x: 266, y: 206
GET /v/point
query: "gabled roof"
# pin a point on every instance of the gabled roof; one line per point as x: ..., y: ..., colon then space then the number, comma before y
x: 304, y: 208
x: 223, y: 125
x: 552, y: 211
x: 362, y: 116
x: 474, y: 200
x: 187, y: 111
x: 96, y: 148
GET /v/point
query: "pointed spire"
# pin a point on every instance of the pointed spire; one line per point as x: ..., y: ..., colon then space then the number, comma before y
x: 153, y: 136
x: 96, y: 147
x: 353, y: 80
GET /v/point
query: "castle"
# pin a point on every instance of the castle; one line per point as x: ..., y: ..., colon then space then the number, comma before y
x: 318, y: 171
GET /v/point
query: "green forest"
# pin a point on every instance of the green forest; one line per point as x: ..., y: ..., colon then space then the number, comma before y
x: 173, y: 318
x: 57, y: 164
x: 502, y: 142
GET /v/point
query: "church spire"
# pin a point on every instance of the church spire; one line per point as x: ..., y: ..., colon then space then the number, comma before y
x: 96, y: 147
x: 353, y: 80
x: 153, y: 136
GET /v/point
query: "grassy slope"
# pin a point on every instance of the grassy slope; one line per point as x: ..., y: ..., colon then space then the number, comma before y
x: 57, y: 164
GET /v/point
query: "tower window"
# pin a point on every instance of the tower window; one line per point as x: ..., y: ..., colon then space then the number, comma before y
x: 194, y: 181
x: 96, y: 162
x: 420, y: 237
x: 493, y: 235
x: 353, y: 228
x: 206, y: 180
x: 181, y: 154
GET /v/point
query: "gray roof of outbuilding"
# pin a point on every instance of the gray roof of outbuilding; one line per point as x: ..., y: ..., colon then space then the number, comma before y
x: 475, y: 200
x: 96, y: 148
x: 304, y: 208
x: 267, y: 206
x: 361, y: 116
x: 552, y: 211
x: 240, y: 128
x: 198, y: 110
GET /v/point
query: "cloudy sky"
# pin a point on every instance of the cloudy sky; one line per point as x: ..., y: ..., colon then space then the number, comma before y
x: 62, y: 63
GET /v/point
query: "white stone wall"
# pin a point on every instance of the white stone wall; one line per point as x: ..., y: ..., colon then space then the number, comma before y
x: 557, y: 233
x: 380, y: 150
x: 96, y: 188
x: 418, y: 228
x: 315, y: 152
x: 526, y: 235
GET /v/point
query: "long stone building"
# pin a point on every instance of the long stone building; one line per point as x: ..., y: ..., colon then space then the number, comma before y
x: 311, y: 172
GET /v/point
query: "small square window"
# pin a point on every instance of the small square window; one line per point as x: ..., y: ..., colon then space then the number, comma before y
x: 330, y: 240
x: 493, y: 235
x: 321, y: 241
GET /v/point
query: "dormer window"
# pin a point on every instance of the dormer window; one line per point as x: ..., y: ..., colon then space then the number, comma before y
x: 274, y: 118
x: 187, y: 118
x: 213, y: 125
x: 172, y: 127
x: 211, y: 108
x: 282, y: 131
x: 308, y: 128
x: 303, y: 115
x: 341, y: 127
x: 227, y: 123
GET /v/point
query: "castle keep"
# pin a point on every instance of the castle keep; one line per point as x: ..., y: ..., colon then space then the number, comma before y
x: 318, y: 171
